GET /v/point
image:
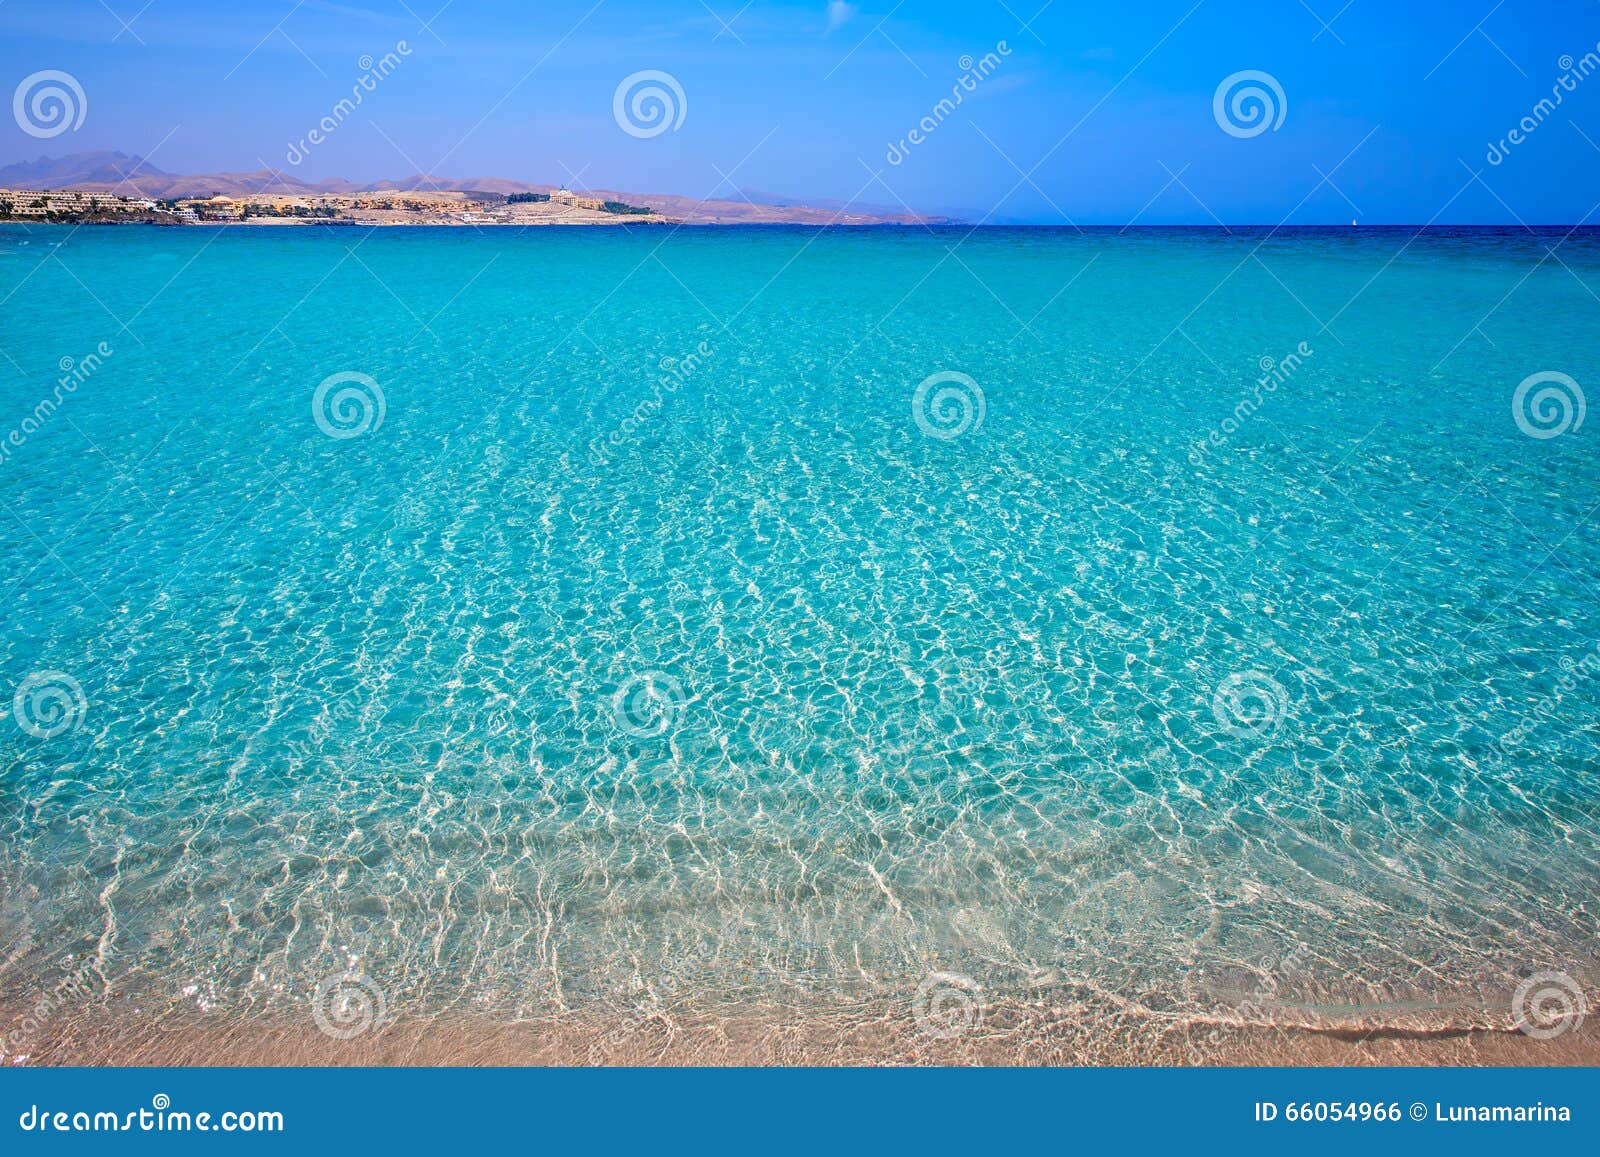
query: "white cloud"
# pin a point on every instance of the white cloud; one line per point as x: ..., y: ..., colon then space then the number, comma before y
x: 839, y: 13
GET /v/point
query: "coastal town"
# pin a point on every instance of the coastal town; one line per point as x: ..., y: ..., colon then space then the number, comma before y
x: 110, y: 187
x: 379, y: 207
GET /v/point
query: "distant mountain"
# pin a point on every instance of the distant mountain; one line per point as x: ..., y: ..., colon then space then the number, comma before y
x: 497, y: 185
x: 749, y: 212
x: 92, y: 168
x: 780, y: 201
x: 136, y: 177
x: 116, y: 172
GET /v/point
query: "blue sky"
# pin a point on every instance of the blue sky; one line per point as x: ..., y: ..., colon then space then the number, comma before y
x: 1101, y: 113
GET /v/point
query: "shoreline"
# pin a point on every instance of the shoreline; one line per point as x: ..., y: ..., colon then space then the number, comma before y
x: 78, y: 204
x: 611, y: 222
x: 880, y: 1033
x: 1242, y: 232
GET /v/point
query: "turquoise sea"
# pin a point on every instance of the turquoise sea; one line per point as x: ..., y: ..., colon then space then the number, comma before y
x: 1203, y: 624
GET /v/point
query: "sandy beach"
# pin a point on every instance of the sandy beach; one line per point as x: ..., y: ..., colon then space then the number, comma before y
x: 1033, y: 1033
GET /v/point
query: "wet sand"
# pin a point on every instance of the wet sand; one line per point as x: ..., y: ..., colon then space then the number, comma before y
x: 859, y: 1035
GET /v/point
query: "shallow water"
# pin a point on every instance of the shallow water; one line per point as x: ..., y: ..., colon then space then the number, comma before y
x: 530, y: 697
